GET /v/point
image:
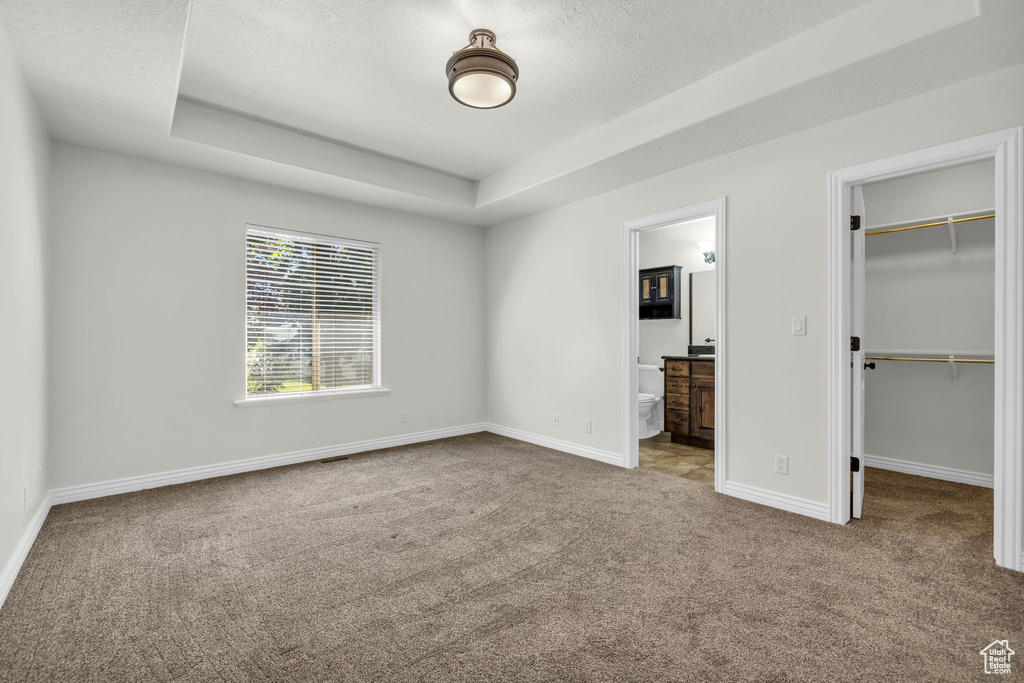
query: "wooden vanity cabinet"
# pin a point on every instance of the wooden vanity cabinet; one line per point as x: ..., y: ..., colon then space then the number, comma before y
x: 690, y: 402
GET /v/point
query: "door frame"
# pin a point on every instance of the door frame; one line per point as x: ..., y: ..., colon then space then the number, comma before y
x: 857, y: 322
x: 631, y: 230
x: 1005, y: 148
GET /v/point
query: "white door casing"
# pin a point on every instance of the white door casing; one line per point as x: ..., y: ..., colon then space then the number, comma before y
x: 857, y: 357
x: 630, y: 325
x: 1006, y: 148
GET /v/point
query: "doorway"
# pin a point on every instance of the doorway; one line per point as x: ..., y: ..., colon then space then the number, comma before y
x: 848, y: 355
x: 674, y: 329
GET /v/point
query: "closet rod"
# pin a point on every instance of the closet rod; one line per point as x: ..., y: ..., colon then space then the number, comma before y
x: 930, y: 225
x: 932, y: 360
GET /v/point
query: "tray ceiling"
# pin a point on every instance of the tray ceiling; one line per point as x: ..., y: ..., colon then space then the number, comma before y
x: 370, y: 73
x: 349, y: 99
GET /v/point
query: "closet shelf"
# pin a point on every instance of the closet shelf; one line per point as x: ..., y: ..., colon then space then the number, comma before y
x: 933, y: 222
x: 930, y: 357
x: 948, y: 359
x: 932, y: 353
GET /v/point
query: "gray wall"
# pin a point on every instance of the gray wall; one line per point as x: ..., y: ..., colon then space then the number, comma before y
x: 149, y: 312
x: 777, y: 246
x: 24, y: 171
x: 922, y: 297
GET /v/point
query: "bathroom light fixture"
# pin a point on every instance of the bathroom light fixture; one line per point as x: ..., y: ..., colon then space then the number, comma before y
x: 480, y: 75
x: 708, y: 247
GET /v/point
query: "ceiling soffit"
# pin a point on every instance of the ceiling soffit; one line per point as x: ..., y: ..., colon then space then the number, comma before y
x: 809, y: 79
x: 136, y: 94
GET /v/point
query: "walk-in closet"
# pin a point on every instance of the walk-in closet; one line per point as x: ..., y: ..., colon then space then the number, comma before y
x: 928, y: 341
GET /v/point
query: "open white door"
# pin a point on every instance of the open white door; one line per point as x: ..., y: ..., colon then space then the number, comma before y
x: 857, y: 224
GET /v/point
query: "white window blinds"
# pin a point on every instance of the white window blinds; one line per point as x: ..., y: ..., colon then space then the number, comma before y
x: 312, y: 313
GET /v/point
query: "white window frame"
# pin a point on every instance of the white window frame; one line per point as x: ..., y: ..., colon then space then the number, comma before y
x: 377, y: 388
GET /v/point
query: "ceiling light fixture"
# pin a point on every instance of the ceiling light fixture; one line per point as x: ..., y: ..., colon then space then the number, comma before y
x: 480, y: 75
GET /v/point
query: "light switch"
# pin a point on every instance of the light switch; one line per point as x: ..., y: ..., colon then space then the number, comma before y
x: 799, y: 325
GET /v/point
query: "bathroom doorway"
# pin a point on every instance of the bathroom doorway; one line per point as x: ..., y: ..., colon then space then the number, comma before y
x: 675, y: 342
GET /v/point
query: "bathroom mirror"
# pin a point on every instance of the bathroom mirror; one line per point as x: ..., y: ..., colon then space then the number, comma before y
x: 703, y: 307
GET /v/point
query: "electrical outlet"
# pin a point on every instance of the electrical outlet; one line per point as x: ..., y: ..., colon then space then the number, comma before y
x: 405, y: 416
x: 555, y: 419
x: 587, y: 427
x: 781, y: 464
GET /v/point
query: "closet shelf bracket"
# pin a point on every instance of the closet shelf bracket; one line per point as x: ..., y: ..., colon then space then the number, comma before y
x: 952, y: 358
x: 952, y: 235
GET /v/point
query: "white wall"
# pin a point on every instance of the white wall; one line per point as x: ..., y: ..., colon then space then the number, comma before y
x: 961, y: 189
x: 673, y: 245
x: 148, y: 326
x: 24, y: 180
x: 920, y: 296
x: 567, y: 358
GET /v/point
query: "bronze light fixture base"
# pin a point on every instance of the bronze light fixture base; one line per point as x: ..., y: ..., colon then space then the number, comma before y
x: 480, y: 75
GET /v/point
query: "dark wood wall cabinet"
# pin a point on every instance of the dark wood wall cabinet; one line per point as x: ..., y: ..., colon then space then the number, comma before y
x: 659, y: 292
x: 690, y: 402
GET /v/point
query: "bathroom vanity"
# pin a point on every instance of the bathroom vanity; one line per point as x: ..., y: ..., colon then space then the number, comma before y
x: 690, y: 400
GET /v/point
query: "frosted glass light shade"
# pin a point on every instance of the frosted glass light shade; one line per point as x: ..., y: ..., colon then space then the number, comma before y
x: 482, y: 89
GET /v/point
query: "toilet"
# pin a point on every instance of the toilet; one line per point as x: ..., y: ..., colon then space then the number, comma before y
x: 651, y: 418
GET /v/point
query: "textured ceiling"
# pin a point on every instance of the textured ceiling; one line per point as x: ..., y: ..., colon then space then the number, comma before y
x: 101, y: 70
x: 348, y: 98
x: 370, y: 73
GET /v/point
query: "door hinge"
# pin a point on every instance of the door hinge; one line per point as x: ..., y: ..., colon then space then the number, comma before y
x: 854, y: 222
x: 854, y: 464
x: 855, y: 343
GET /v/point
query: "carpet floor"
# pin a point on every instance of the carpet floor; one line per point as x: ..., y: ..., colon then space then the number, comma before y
x: 480, y: 558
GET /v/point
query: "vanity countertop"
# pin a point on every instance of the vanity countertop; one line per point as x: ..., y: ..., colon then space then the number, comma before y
x: 691, y: 356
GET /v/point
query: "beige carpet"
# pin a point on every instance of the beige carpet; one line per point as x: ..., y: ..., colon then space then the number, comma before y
x: 485, y: 559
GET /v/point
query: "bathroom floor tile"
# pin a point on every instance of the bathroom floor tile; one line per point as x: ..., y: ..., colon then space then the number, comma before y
x: 661, y: 455
x: 702, y: 475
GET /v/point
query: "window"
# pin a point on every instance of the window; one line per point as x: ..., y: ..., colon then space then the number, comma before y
x: 312, y: 313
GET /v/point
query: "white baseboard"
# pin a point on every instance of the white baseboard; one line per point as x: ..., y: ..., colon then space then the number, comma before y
x: 72, y: 494
x: 558, y: 445
x: 801, y: 506
x: 932, y: 471
x: 13, y: 565
x: 109, y: 488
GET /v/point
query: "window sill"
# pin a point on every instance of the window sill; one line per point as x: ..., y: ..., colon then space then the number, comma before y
x: 297, y: 397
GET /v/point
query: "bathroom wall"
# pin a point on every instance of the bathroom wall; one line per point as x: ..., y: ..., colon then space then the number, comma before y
x: 673, y: 245
x: 920, y: 296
